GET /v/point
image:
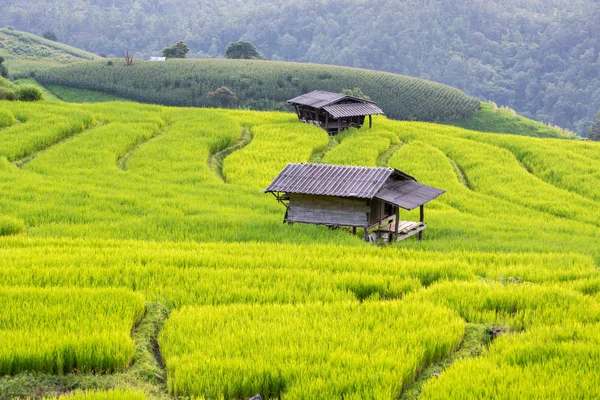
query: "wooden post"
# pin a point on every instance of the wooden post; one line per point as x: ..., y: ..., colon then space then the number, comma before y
x: 354, y: 230
x: 370, y: 121
x: 422, y: 212
x: 397, y: 222
x: 366, y: 234
x: 339, y: 126
x: 327, y: 122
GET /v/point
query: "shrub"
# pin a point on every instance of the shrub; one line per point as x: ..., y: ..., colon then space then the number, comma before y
x: 28, y: 93
x: 6, y: 93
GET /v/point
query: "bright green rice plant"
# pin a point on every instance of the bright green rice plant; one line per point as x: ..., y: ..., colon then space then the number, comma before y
x: 62, y: 330
x: 350, y: 350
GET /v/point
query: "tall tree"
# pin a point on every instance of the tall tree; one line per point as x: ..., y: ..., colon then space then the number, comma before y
x: 3, y: 69
x: 50, y: 36
x: 177, y: 50
x: 245, y: 50
x: 594, y: 132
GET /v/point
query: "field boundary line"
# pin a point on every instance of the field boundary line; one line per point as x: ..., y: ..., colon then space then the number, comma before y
x: 24, y: 160
x: 460, y: 173
x: 122, y: 160
x: 317, y: 156
x: 384, y: 158
x: 476, y: 339
x: 216, y: 160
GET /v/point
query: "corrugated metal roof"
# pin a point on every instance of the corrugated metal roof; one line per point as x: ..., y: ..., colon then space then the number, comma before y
x: 408, y: 194
x: 331, y: 180
x: 387, y: 184
x: 321, y: 98
x: 317, y: 98
x: 352, y: 110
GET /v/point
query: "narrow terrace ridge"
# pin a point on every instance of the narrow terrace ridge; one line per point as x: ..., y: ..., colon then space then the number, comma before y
x: 26, y: 159
x: 215, y: 161
x: 476, y: 339
x: 317, y: 156
x: 384, y: 158
x: 460, y: 174
x: 122, y: 160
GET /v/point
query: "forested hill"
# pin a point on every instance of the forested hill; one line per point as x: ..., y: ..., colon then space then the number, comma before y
x: 540, y: 57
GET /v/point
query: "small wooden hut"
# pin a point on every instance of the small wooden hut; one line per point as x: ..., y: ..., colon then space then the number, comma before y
x: 366, y: 197
x: 334, y: 112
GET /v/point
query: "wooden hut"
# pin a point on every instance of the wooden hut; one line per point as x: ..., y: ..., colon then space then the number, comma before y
x: 334, y: 112
x: 366, y: 197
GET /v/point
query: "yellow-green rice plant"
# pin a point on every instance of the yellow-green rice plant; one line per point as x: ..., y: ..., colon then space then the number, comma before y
x: 180, y: 155
x: 573, y: 165
x: 516, y: 306
x: 555, y: 362
x: 361, y: 147
x: 63, y: 330
x: 352, y: 350
x: 97, y: 149
x: 273, y: 146
x: 6, y: 118
x: 45, y: 124
x: 495, y: 171
x: 222, y: 273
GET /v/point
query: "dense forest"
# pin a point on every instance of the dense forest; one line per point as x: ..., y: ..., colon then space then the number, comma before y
x: 540, y: 57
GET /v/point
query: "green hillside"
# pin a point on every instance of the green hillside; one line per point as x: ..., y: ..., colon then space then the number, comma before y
x: 23, y: 51
x: 491, y: 118
x: 124, y: 251
x: 262, y: 85
x: 265, y: 85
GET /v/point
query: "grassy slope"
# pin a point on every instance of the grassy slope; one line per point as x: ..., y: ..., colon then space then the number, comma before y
x: 72, y: 95
x: 24, y: 51
x: 493, y: 119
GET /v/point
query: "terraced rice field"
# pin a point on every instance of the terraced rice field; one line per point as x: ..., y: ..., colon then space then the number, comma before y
x: 113, y: 222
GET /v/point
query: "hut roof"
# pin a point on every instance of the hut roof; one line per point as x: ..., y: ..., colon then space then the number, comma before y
x: 320, y: 99
x: 352, y: 110
x: 387, y: 184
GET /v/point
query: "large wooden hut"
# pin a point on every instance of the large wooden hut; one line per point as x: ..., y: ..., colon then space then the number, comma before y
x: 366, y: 197
x: 334, y: 112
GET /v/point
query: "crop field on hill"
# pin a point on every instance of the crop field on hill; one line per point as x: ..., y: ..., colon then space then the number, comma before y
x: 24, y: 51
x: 132, y: 267
x: 262, y: 85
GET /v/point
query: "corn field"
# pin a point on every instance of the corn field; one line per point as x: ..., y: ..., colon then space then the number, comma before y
x: 261, y: 85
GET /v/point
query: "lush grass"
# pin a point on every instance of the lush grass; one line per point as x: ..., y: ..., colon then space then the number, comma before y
x: 72, y: 95
x: 119, y: 198
x: 46, y: 94
x: 491, y: 118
